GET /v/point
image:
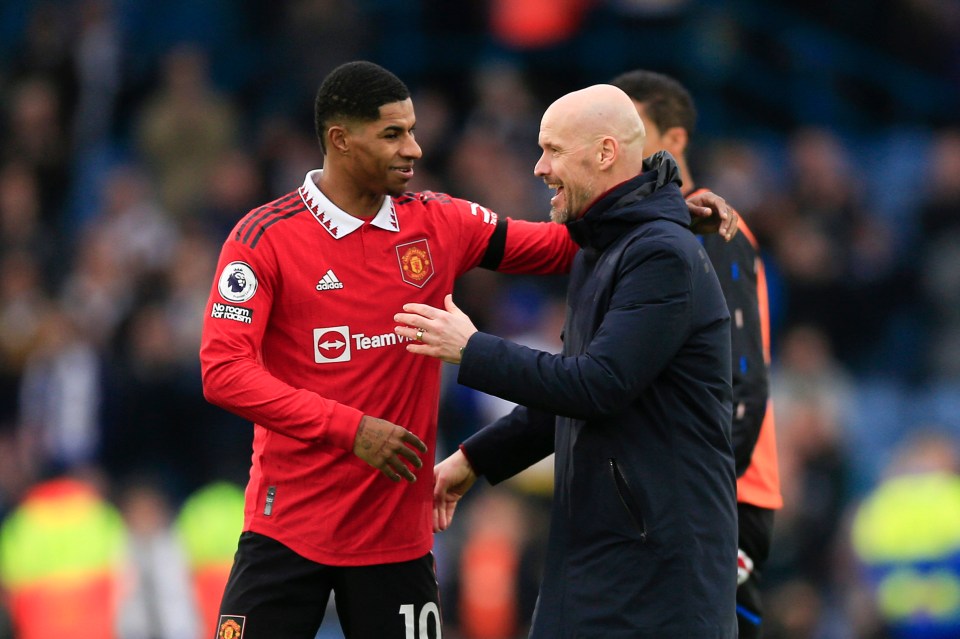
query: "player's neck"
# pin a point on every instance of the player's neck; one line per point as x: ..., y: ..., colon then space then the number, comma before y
x: 343, y: 191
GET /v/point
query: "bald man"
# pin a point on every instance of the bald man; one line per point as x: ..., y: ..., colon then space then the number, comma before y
x: 637, y: 407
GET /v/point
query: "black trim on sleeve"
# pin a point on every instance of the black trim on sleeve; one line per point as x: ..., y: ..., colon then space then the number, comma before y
x: 495, y: 247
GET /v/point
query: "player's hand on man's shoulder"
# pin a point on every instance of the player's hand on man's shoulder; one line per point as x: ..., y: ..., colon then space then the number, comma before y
x: 385, y: 445
x: 710, y: 213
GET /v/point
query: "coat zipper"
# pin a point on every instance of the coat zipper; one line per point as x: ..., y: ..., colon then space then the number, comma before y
x: 626, y: 498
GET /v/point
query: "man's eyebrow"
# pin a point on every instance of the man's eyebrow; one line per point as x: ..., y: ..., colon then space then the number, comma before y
x: 394, y: 127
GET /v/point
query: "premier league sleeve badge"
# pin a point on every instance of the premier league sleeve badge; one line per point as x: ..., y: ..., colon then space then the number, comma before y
x: 237, y: 282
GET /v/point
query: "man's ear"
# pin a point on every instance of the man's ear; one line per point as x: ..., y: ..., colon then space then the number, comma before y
x: 608, y: 152
x: 338, y: 139
x: 675, y: 140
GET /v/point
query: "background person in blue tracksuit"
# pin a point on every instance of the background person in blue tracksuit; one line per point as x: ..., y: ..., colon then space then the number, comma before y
x: 643, y: 528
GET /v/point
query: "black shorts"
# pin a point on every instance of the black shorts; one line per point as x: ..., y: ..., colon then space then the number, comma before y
x: 755, y: 532
x: 274, y: 593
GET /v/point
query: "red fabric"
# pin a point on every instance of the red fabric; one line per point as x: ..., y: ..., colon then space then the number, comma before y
x: 329, y: 506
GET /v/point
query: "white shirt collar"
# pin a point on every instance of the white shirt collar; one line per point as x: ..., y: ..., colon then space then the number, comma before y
x: 335, y: 220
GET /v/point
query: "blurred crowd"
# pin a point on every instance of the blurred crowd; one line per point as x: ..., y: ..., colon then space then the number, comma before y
x: 134, y: 134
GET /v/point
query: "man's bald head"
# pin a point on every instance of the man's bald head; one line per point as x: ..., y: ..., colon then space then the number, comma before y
x: 597, y: 111
x: 592, y: 140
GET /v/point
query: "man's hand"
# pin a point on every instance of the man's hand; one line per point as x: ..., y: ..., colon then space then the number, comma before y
x: 452, y: 478
x: 382, y: 444
x: 435, y: 332
x: 710, y: 213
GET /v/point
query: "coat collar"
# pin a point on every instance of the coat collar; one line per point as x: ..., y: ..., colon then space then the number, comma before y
x: 654, y: 194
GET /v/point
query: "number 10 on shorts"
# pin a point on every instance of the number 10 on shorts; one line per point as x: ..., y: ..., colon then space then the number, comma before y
x: 409, y: 617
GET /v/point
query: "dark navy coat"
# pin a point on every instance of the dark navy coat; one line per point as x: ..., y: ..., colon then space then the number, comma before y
x: 643, y: 537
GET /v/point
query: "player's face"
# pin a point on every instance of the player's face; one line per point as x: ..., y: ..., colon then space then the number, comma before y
x: 384, y: 150
x: 565, y: 166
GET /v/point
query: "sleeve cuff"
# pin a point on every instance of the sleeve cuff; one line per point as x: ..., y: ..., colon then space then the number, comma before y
x: 342, y: 425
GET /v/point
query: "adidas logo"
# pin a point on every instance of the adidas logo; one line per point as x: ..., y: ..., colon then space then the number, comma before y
x: 329, y: 282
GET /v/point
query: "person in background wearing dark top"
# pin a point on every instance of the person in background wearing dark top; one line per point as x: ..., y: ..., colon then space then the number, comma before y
x: 298, y: 338
x: 669, y: 115
x: 643, y: 525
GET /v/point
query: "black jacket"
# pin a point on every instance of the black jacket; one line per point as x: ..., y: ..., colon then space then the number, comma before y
x: 643, y: 530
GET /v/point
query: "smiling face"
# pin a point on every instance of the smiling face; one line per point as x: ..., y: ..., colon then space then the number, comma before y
x: 592, y: 140
x: 565, y: 165
x: 379, y: 155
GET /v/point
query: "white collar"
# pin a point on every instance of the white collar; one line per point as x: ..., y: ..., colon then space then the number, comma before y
x: 335, y: 220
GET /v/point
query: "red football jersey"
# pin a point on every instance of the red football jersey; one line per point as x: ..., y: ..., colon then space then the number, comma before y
x: 299, y: 338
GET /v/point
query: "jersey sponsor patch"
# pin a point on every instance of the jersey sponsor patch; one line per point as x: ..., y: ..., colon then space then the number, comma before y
x: 336, y: 343
x: 230, y: 627
x: 237, y: 282
x: 331, y: 344
x: 329, y: 282
x: 416, y: 264
x: 235, y: 313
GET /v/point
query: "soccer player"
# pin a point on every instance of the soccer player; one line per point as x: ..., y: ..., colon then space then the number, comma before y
x: 298, y: 338
x: 668, y: 111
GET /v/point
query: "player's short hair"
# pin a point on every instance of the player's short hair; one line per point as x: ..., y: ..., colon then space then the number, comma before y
x: 355, y: 91
x: 666, y: 102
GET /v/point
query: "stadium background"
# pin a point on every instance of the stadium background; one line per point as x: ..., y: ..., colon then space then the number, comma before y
x: 134, y: 133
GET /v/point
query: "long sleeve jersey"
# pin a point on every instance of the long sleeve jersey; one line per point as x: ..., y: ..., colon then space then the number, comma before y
x: 298, y: 338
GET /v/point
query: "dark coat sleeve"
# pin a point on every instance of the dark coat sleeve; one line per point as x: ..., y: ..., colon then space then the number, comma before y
x: 734, y: 263
x: 511, y: 444
x: 647, y: 321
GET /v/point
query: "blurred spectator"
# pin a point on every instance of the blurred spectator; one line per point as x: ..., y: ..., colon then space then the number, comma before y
x: 906, y: 533
x: 45, y: 55
x: 23, y: 307
x: 192, y: 260
x: 35, y: 136
x: 812, y: 396
x: 61, y: 394
x: 98, y: 52
x: 60, y: 557
x: 136, y: 231
x: 807, y: 371
x: 156, y: 601
x: 96, y: 291
x: 185, y: 128
x: 21, y: 225
x: 940, y: 257
x: 489, y: 567
x: 154, y: 407
x: 835, y: 259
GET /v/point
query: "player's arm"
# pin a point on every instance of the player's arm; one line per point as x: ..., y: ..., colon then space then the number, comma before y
x: 545, y: 248
x: 737, y: 266
x: 235, y: 379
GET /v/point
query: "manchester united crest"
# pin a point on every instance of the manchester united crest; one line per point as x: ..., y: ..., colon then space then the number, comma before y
x: 230, y: 627
x: 416, y: 264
